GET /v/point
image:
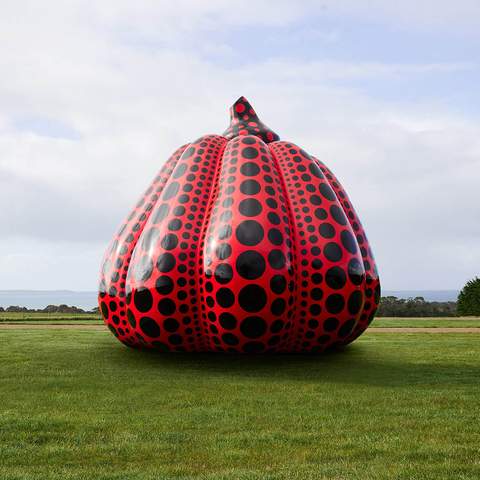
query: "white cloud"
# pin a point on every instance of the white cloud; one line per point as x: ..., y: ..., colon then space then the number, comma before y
x: 127, y: 78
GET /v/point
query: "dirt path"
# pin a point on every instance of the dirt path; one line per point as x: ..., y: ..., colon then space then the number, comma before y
x: 73, y: 326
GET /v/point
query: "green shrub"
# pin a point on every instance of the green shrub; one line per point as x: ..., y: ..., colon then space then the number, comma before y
x: 468, y: 302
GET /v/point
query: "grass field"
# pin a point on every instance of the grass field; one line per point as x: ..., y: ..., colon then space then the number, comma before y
x: 52, y: 317
x: 77, y: 404
x: 420, y: 322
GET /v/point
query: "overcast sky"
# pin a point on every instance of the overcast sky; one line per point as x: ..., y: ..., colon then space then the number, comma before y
x: 96, y: 95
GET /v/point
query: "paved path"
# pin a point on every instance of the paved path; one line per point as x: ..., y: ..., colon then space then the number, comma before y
x: 73, y: 326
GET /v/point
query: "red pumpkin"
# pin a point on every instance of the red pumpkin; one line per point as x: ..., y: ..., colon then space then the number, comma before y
x: 242, y: 243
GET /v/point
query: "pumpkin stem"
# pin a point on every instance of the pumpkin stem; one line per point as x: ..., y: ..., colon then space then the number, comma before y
x: 244, y: 121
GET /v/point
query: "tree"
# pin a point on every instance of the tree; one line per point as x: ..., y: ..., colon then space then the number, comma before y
x: 415, y: 307
x: 468, y: 302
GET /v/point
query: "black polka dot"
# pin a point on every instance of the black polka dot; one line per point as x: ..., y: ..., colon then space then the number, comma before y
x: 143, y: 269
x: 175, y: 224
x: 253, y: 327
x: 335, y: 303
x: 180, y: 170
x: 252, y: 298
x: 228, y: 202
x: 356, y: 273
x: 224, y: 232
x: 327, y: 192
x: 143, y: 300
x: 276, y: 326
x: 166, y: 306
x: 335, y: 278
x: 275, y: 236
x: 164, y: 285
x: 184, y: 198
x: 226, y: 215
x: 230, y: 339
x: 321, y: 213
x: 249, y: 140
x: 131, y: 318
x: 276, y: 259
x: 250, y: 207
x: 330, y: 324
x: 312, y: 323
x: 316, y: 293
x: 338, y: 214
x: 278, y: 306
x: 355, y: 302
x: 315, y: 171
x: 249, y: 233
x: 278, y: 284
x: 223, y: 273
x: 171, y: 191
x: 223, y: 251
x: 169, y: 241
x: 250, y: 152
x: 165, y: 262
x: 149, y: 238
x: 377, y: 293
x: 317, y: 264
x: 348, y: 241
x: 346, y: 328
x: 227, y: 321
x: 188, y: 152
x: 250, y: 265
x: 249, y: 187
x: 149, y: 327
x: 250, y: 169
x: 170, y: 325
x: 179, y: 210
x: 332, y: 252
x: 326, y: 230
x: 104, y: 309
x: 315, y: 309
x: 160, y: 213
x: 225, y: 297
x: 273, y: 218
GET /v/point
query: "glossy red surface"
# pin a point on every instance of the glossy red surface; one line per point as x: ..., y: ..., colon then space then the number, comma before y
x: 243, y: 243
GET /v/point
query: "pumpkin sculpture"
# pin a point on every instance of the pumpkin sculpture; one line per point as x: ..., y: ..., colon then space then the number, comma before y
x: 242, y: 243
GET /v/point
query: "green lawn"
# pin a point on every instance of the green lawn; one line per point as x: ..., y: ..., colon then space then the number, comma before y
x: 435, y: 322
x: 77, y: 404
x: 47, y: 317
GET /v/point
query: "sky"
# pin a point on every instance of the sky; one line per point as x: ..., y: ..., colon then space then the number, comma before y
x: 95, y: 96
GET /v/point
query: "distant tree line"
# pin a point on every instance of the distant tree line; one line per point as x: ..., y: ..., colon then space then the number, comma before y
x: 48, y: 309
x: 389, y: 307
x: 415, y: 307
